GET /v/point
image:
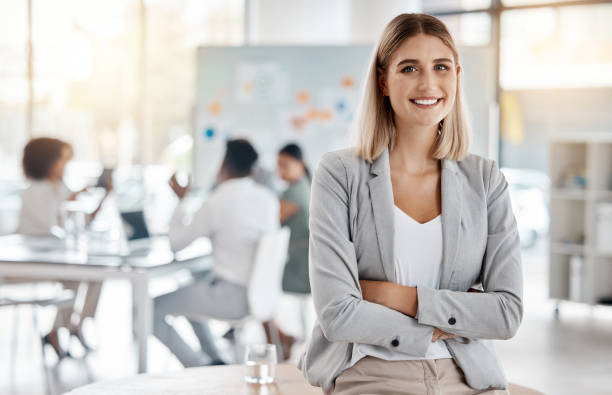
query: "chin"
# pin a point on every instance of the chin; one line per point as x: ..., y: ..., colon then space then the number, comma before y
x: 424, y: 123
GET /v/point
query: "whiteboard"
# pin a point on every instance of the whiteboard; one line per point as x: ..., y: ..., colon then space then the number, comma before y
x: 273, y: 96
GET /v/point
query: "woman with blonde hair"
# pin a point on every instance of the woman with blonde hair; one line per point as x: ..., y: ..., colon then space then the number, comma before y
x: 414, y: 251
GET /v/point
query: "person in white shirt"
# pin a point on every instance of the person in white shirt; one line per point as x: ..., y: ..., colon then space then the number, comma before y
x: 235, y: 217
x: 44, y: 161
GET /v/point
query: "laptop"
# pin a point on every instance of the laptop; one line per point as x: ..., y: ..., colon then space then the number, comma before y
x: 136, y: 232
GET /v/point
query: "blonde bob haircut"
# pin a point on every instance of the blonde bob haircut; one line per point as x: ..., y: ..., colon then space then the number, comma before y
x: 374, y: 129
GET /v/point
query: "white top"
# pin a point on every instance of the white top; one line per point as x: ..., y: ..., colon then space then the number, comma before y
x: 40, y: 207
x: 234, y: 217
x: 418, y: 261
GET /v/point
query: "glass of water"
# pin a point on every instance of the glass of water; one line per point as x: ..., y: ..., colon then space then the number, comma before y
x: 260, y: 360
x: 73, y: 224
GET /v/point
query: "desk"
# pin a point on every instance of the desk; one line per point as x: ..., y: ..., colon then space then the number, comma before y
x: 220, y: 380
x: 44, y: 258
x: 213, y: 380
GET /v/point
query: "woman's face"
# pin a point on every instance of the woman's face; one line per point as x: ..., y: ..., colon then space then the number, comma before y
x: 421, y: 81
x: 289, y: 168
x: 57, y: 170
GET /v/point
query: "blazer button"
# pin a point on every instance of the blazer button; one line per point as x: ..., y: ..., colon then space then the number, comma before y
x: 395, y: 342
x: 452, y: 321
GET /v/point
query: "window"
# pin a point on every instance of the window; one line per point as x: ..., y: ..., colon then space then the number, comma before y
x: 13, y: 85
x: 433, y: 6
x: 96, y: 85
x: 471, y: 29
x: 556, y: 47
x: 174, y: 31
x: 85, y: 74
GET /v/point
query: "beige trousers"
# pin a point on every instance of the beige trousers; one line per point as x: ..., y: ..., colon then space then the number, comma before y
x: 425, y: 377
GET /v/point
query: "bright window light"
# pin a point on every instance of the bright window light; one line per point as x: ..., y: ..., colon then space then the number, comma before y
x: 556, y: 47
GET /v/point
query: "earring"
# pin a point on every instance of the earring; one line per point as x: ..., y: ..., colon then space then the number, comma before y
x: 440, y: 128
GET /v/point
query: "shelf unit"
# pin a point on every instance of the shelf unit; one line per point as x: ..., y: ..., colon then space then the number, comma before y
x: 587, y: 158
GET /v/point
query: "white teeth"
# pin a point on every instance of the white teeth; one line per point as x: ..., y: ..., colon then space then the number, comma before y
x: 426, y: 102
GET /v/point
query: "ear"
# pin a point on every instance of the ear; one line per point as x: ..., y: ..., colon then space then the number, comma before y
x: 382, y: 81
x: 458, y: 69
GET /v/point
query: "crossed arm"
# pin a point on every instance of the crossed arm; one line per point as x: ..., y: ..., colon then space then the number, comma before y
x: 400, y: 298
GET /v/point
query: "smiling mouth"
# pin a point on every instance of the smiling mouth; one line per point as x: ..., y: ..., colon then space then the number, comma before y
x: 426, y: 103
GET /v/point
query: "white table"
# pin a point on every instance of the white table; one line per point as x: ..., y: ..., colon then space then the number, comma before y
x: 220, y: 380
x: 213, y: 380
x: 47, y: 259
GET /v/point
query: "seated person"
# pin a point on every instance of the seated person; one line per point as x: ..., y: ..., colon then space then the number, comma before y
x: 44, y: 161
x: 235, y: 217
x: 294, y: 211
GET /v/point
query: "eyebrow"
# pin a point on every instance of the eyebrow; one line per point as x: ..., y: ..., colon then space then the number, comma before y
x: 416, y: 61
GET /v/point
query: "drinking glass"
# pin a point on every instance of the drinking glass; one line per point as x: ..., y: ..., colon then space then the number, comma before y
x: 73, y: 224
x: 260, y: 360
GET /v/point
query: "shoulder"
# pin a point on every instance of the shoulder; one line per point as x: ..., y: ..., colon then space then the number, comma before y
x: 475, y: 164
x: 297, y: 188
x: 344, y: 162
x: 347, y: 156
x: 264, y: 193
x: 38, y: 189
x: 476, y: 169
x: 303, y: 186
x: 239, y: 188
x: 64, y: 191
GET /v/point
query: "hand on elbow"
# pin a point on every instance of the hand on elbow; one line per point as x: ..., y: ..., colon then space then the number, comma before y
x: 439, y: 334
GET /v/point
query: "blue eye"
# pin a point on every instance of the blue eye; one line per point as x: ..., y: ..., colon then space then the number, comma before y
x: 408, y: 69
x: 441, y: 67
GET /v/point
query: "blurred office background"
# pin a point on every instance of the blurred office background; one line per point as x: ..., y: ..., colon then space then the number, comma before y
x: 122, y: 81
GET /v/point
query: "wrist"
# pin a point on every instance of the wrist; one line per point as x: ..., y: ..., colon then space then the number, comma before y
x: 179, y: 194
x: 415, y: 302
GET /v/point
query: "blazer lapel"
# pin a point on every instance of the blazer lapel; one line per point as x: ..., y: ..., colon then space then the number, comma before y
x: 451, y: 220
x: 381, y: 195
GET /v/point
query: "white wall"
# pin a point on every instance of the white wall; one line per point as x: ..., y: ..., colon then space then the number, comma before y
x: 276, y: 22
x: 368, y: 18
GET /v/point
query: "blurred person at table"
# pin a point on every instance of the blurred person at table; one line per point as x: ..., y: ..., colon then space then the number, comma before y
x: 235, y: 216
x: 44, y: 162
x: 294, y: 210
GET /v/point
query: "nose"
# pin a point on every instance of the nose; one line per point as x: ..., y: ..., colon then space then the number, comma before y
x: 426, y: 80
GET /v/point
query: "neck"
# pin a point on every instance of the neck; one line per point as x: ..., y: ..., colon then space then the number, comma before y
x: 228, y: 177
x: 413, y: 148
x: 297, y: 178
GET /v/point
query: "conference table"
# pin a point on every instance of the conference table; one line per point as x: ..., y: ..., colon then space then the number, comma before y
x: 220, y: 380
x: 48, y: 258
x: 210, y: 380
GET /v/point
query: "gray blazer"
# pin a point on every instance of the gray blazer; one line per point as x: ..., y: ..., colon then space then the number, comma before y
x: 351, y: 238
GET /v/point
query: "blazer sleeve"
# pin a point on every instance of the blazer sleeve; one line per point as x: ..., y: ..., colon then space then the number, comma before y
x: 342, y: 313
x: 496, y: 313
